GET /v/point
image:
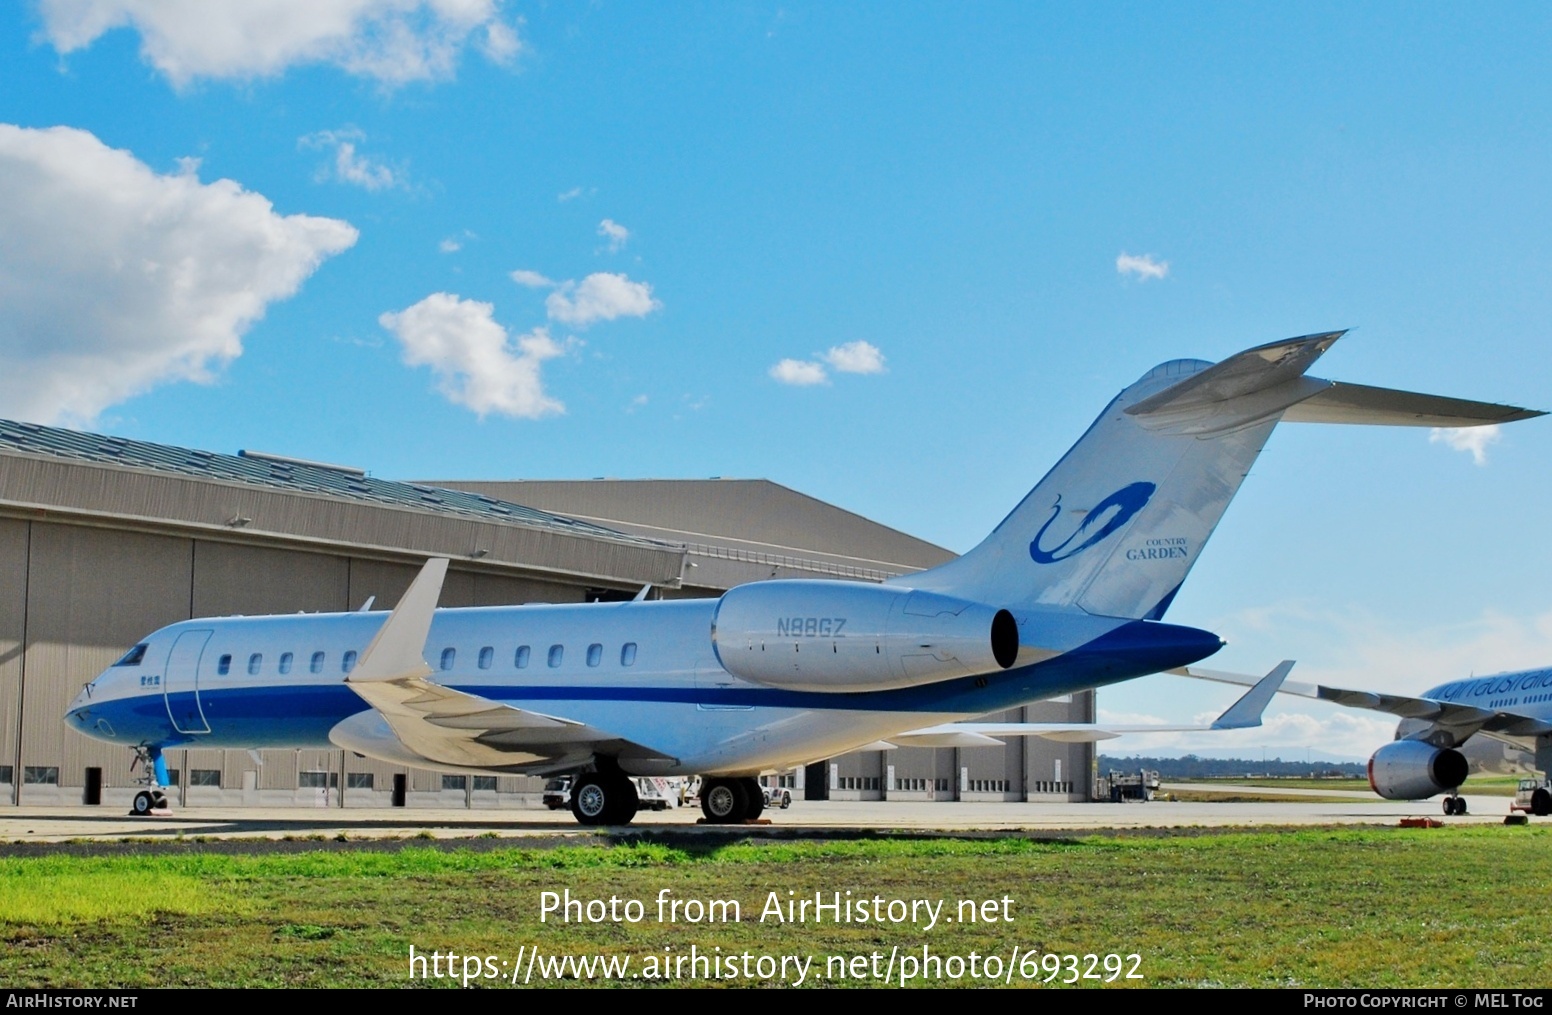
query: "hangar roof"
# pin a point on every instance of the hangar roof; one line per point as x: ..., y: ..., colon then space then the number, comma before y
x: 50, y: 472
x: 272, y: 471
x: 751, y: 521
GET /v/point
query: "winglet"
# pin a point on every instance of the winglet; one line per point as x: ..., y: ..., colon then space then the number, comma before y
x: 398, y: 650
x: 1246, y: 712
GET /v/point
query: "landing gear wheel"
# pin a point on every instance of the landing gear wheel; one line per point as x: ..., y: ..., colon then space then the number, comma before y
x: 159, y: 800
x: 754, y: 797
x: 1460, y: 806
x: 598, y: 799
x: 143, y: 803
x: 1541, y: 803
x: 626, y: 802
x: 723, y: 801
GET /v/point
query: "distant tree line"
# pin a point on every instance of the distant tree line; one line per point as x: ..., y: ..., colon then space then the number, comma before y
x: 1192, y: 767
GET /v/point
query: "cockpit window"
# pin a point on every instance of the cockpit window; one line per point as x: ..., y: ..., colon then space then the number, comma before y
x: 133, y: 656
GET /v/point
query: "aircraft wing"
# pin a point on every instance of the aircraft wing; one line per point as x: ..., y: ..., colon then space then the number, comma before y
x: 1458, y: 720
x: 414, y: 720
x: 1244, y: 713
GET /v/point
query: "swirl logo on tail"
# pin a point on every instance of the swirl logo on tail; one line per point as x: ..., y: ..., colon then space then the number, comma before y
x: 1119, y: 507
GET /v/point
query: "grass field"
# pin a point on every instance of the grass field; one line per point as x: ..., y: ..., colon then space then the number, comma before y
x: 1379, y: 907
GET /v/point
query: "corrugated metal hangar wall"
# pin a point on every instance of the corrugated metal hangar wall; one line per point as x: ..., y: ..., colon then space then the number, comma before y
x: 104, y: 540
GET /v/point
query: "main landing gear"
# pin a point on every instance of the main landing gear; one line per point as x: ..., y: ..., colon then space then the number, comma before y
x: 731, y: 801
x: 1455, y: 805
x: 603, y: 798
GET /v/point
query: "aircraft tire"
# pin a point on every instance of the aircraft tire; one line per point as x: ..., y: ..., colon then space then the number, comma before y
x: 626, y: 801
x: 754, y: 798
x: 142, y: 804
x: 1541, y: 803
x: 1460, y: 807
x: 723, y: 801
x: 591, y: 802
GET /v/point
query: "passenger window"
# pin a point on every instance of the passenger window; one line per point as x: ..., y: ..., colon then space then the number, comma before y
x: 556, y: 652
x: 348, y: 663
x: 595, y: 654
x: 224, y: 666
x: 628, y: 654
x: 255, y: 661
x: 448, y: 655
x: 285, y: 663
x: 487, y: 656
x: 521, y: 659
x: 316, y: 665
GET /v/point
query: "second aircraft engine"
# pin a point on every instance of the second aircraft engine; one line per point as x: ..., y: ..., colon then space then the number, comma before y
x: 1414, y: 770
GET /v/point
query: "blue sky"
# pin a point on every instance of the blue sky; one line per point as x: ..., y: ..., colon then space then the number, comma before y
x: 925, y: 208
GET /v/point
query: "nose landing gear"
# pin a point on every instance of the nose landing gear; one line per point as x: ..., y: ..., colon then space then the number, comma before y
x: 151, y: 801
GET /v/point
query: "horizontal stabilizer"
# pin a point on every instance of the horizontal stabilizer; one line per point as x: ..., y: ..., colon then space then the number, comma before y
x: 1245, y: 374
x: 1244, y: 713
x: 1359, y: 403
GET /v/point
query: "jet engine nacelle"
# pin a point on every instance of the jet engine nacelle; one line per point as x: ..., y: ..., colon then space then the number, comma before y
x: 1414, y: 770
x: 848, y: 636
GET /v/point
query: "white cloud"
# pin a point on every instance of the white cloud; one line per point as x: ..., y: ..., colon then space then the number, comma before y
x: 569, y: 195
x: 114, y: 278
x: 855, y: 358
x: 636, y: 403
x: 799, y: 372
x: 600, y: 296
x: 1143, y: 266
x: 348, y: 166
x: 615, y: 233
x: 476, y: 363
x: 450, y: 246
x: 1344, y: 733
x: 1472, y: 439
x: 392, y: 41
x: 531, y: 279
x: 852, y: 358
x: 1349, y: 647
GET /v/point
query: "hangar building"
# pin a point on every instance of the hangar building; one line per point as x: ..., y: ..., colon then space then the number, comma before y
x: 104, y: 539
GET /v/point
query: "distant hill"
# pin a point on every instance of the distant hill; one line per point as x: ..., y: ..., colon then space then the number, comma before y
x: 1192, y: 767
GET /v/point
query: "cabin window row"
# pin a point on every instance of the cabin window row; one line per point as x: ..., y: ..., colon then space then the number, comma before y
x: 486, y: 659
x: 524, y: 654
x: 287, y: 663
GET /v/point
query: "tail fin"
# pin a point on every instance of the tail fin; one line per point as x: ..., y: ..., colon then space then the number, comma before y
x: 1115, y: 527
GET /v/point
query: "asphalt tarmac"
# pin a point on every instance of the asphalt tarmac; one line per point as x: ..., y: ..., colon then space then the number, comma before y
x: 64, y: 824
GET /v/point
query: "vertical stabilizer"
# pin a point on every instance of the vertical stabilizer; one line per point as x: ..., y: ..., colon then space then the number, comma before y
x: 1116, y: 526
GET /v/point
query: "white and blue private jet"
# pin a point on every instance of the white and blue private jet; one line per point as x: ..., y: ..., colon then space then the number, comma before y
x: 1066, y: 594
